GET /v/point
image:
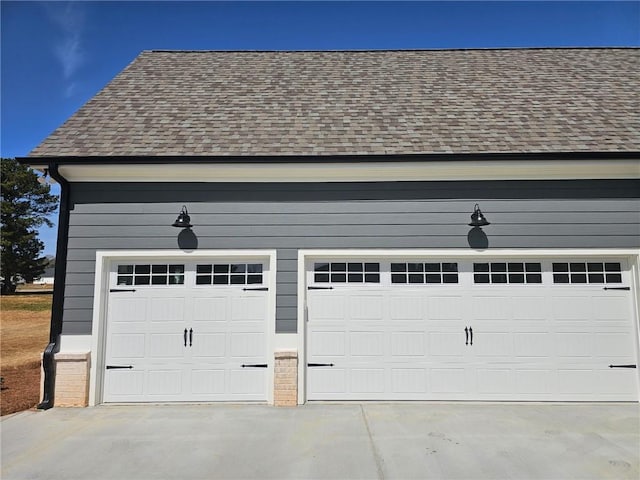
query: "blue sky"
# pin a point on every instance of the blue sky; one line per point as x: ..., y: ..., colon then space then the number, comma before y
x: 57, y: 55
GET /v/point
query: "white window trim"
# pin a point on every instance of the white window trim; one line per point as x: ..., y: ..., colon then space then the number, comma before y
x: 304, y: 256
x: 104, y: 259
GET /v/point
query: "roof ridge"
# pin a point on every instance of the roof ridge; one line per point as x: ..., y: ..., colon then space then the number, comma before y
x: 373, y: 50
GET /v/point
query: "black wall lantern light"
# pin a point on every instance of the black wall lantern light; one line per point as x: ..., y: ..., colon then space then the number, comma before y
x: 183, y: 220
x: 477, y: 218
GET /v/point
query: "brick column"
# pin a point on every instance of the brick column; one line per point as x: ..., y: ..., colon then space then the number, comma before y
x: 285, y: 391
x: 72, y: 379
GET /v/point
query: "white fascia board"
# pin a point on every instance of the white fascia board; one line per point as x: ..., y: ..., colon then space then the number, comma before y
x: 451, y: 170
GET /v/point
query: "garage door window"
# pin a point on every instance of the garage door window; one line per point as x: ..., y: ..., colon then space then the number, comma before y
x: 421, y: 273
x: 346, y: 272
x: 507, y: 272
x: 151, y: 274
x: 587, y: 272
x: 229, y: 274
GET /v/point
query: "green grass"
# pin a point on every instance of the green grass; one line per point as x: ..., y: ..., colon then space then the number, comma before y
x: 29, y: 303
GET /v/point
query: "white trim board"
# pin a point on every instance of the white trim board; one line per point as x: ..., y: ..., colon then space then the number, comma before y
x: 101, y: 292
x: 633, y: 256
x: 451, y: 170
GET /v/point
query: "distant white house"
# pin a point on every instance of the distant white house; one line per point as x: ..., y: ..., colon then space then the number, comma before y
x: 46, y: 278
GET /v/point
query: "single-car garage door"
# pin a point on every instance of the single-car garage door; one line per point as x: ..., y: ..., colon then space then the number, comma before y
x: 463, y: 329
x: 187, y: 331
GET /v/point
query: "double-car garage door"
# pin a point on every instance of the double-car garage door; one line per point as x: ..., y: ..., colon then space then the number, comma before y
x: 458, y: 329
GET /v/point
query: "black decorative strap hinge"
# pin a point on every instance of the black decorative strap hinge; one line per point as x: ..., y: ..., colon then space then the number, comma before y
x: 623, y: 366
x: 254, y: 365
x: 319, y: 288
x: 114, y: 290
x: 617, y: 288
x: 319, y: 364
x: 257, y: 289
x: 115, y: 367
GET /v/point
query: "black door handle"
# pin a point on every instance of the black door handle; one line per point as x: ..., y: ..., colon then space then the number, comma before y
x: 466, y: 336
x: 470, y: 336
x: 185, y: 337
x: 190, y: 337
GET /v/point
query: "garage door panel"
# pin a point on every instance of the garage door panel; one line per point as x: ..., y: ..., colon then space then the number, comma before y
x: 528, y: 308
x: 125, y: 383
x: 327, y: 343
x: 444, y: 307
x: 447, y: 343
x: 574, y: 344
x: 409, y: 380
x: 405, y: 308
x: 323, y: 381
x: 367, y: 380
x: 410, y: 343
x: 576, y: 381
x: 208, y: 381
x: 571, y: 307
x: 247, y: 345
x: 247, y: 381
x: 323, y: 306
x: 534, y: 381
x: 166, y: 345
x: 614, y: 345
x: 610, y: 308
x: 128, y: 310
x: 492, y: 344
x: 366, y: 307
x: 209, y: 345
x: 532, y: 345
x: 491, y: 307
x: 126, y: 345
x: 448, y: 380
x: 366, y: 344
x: 167, y: 309
x: 212, y: 309
x: 495, y: 380
x: 620, y: 383
x: 166, y: 382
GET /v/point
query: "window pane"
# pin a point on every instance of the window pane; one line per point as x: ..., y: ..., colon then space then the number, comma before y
x: 398, y: 267
x: 415, y: 267
x: 220, y: 280
x: 450, y: 278
x: 481, y: 278
x: 431, y: 267
x: 203, y: 268
x: 143, y: 269
x: 449, y: 267
x: 614, y: 278
x: 498, y: 267
x: 238, y: 268
x: 578, y: 278
x: 480, y: 267
x: 596, y: 278
x: 560, y: 267
x: 339, y: 277
x: 253, y: 279
x: 612, y: 267
x: 533, y: 267
x: 433, y: 278
x: 125, y: 280
x: 595, y: 267
x: 372, y: 277
x: 176, y: 268
x: 321, y: 277
x: 371, y: 267
x: 577, y: 267
x: 125, y: 269
x: 203, y: 280
x: 516, y: 278
x: 498, y: 278
x: 176, y: 279
x: 159, y: 280
x: 321, y: 267
x: 534, y: 278
x: 560, y: 278
x: 254, y: 268
x: 237, y: 279
x: 141, y: 281
x: 221, y: 268
x: 355, y: 267
x: 355, y: 277
x: 398, y: 278
x: 158, y: 269
x: 416, y: 278
x: 338, y: 267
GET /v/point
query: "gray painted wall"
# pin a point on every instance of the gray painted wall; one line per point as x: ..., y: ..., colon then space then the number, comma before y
x: 287, y: 217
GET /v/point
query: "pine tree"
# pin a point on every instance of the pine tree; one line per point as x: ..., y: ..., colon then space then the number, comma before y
x: 25, y: 207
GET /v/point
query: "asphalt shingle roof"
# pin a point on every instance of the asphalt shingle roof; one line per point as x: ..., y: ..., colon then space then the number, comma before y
x: 220, y: 103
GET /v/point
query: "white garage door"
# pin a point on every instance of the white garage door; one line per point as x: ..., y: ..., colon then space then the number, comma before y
x: 194, y: 331
x: 421, y: 329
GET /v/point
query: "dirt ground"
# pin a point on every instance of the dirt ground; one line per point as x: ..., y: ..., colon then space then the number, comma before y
x: 24, y: 333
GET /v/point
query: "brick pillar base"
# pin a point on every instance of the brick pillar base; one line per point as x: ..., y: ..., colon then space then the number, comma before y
x: 72, y: 379
x: 285, y: 391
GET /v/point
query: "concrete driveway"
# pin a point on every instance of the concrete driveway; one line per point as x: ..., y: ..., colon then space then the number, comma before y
x: 341, y: 441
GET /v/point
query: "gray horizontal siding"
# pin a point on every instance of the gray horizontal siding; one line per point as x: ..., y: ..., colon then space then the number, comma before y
x: 288, y: 217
